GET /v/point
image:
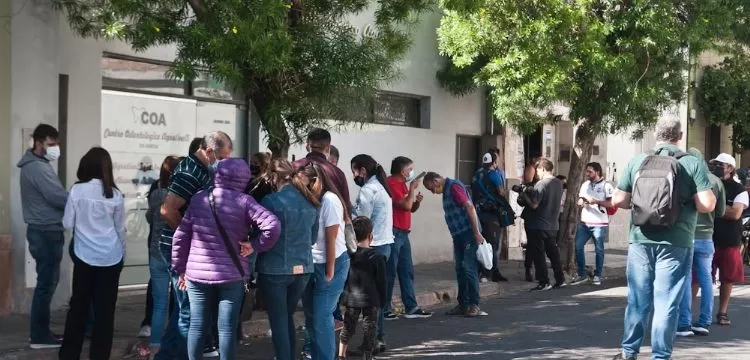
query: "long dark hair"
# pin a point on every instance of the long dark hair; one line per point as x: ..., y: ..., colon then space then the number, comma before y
x: 316, y: 174
x: 97, y: 164
x: 373, y: 169
x: 167, y: 167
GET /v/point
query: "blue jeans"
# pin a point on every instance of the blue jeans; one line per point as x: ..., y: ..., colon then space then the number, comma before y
x: 400, y: 264
x: 583, y: 234
x: 160, y: 278
x: 384, y: 250
x: 203, y: 300
x: 465, y: 257
x: 319, y: 300
x: 656, y: 275
x: 281, y: 295
x: 174, y: 341
x: 703, y: 255
x: 46, y: 247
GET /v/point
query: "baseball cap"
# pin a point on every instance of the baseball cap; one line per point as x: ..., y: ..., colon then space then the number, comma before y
x: 487, y: 159
x: 726, y: 159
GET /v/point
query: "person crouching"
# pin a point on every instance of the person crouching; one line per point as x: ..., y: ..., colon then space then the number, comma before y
x: 365, y: 290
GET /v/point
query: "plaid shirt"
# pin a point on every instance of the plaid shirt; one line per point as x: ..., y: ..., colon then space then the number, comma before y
x: 455, y: 215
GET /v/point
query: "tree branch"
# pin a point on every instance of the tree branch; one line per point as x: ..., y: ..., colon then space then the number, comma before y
x: 198, y: 6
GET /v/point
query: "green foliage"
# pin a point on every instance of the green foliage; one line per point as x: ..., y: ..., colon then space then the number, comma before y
x: 300, y: 63
x: 723, y: 96
x: 616, y: 64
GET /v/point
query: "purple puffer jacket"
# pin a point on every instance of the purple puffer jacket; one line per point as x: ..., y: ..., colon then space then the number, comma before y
x: 198, y: 250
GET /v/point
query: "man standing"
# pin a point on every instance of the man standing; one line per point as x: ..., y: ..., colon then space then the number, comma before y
x: 542, y: 221
x: 488, y: 193
x: 406, y: 200
x: 594, y: 199
x: 319, y: 150
x: 728, y: 236
x: 661, y: 235
x: 43, y: 199
x: 703, y: 255
x: 192, y: 175
x: 466, y: 231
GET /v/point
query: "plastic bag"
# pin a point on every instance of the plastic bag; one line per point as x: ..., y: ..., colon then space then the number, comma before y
x: 484, y: 255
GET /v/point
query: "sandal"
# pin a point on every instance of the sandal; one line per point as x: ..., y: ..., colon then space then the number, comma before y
x: 723, y: 319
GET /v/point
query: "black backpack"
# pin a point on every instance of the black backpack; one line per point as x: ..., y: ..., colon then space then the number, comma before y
x: 655, y: 200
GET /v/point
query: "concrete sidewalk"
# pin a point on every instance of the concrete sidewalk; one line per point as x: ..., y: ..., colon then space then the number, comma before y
x: 435, y: 285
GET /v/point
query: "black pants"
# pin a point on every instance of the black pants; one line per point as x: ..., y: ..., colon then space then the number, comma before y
x: 369, y: 326
x: 493, y: 233
x: 100, y: 286
x: 541, y: 243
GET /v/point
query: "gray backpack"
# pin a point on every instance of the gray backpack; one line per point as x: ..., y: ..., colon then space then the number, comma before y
x: 655, y: 200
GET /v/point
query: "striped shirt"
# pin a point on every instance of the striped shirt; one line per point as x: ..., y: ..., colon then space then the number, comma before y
x: 190, y: 177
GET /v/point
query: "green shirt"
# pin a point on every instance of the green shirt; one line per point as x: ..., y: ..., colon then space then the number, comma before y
x: 704, y: 226
x: 693, y: 179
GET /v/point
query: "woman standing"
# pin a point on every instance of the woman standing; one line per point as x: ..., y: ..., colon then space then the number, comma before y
x: 331, y: 266
x: 374, y: 202
x: 261, y: 184
x: 284, y: 271
x: 157, y: 265
x: 210, y: 249
x: 96, y: 212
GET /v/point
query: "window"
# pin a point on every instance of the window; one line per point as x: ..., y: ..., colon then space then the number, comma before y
x: 208, y: 86
x: 125, y: 74
x: 400, y: 110
x: 467, y: 157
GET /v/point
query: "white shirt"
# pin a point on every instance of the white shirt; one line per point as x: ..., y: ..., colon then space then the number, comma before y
x: 596, y: 215
x: 742, y: 198
x: 373, y: 201
x: 98, y: 224
x: 331, y: 214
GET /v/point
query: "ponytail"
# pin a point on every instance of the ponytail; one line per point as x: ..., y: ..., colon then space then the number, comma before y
x: 283, y: 171
x: 373, y: 169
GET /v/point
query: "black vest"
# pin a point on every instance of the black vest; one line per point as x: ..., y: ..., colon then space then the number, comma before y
x: 728, y: 233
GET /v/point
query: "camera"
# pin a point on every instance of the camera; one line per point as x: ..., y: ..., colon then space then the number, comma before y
x: 519, y: 188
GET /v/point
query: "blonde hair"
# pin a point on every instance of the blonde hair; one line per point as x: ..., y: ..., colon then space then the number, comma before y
x: 282, y: 171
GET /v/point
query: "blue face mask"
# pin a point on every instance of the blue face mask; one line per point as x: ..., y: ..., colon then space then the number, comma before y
x: 411, y: 175
x: 212, y: 166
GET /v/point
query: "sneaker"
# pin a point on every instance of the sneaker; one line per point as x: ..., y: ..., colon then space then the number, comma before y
x: 49, y: 344
x: 390, y: 316
x: 497, y: 277
x: 338, y: 325
x: 210, y: 352
x: 597, y: 281
x: 559, y: 285
x: 145, y: 331
x: 620, y: 356
x: 418, y: 314
x: 685, y: 331
x: 578, y: 280
x: 475, y: 311
x: 700, y: 330
x: 541, y: 287
x: 483, y: 280
x: 381, y: 346
x: 458, y: 310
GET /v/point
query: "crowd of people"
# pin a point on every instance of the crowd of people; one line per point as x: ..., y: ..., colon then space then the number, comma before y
x: 224, y: 230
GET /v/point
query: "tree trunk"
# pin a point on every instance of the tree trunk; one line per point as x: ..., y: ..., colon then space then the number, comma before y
x: 276, y: 132
x: 584, y: 142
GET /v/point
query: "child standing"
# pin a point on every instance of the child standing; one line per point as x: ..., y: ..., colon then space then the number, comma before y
x: 365, y: 290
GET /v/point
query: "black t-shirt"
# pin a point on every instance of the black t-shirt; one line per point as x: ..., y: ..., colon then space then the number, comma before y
x: 365, y: 286
x: 728, y: 233
x: 548, y: 193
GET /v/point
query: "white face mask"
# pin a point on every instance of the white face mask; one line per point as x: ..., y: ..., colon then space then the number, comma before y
x: 52, y: 153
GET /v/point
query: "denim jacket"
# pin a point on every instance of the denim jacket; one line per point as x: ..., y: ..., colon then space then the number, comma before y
x: 292, y: 254
x: 373, y: 201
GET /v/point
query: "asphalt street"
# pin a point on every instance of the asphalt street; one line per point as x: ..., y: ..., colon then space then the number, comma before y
x: 582, y: 322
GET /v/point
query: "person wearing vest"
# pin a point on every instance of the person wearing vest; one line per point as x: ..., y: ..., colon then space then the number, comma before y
x: 487, y: 191
x: 593, y: 199
x: 660, y: 256
x: 728, y: 236
x: 464, y: 227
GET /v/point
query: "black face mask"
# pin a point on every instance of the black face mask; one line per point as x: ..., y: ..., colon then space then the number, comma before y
x: 359, y: 180
x: 717, y: 170
x: 254, y: 170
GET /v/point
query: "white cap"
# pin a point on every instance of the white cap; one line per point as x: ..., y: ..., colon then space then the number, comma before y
x: 726, y: 159
x: 487, y: 158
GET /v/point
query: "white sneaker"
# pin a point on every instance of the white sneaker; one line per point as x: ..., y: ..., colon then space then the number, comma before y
x: 597, y: 281
x: 145, y: 331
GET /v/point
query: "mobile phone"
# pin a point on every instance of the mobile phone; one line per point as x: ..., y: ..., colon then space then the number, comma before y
x: 421, y: 175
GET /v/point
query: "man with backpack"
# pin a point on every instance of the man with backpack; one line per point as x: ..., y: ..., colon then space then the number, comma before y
x: 494, y: 211
x: 664, y: 188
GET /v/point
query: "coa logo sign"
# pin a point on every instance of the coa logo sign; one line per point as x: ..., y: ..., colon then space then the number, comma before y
x: 153, y: 118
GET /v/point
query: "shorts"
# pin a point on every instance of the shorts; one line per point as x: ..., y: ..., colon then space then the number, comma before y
x: 728, y: 260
